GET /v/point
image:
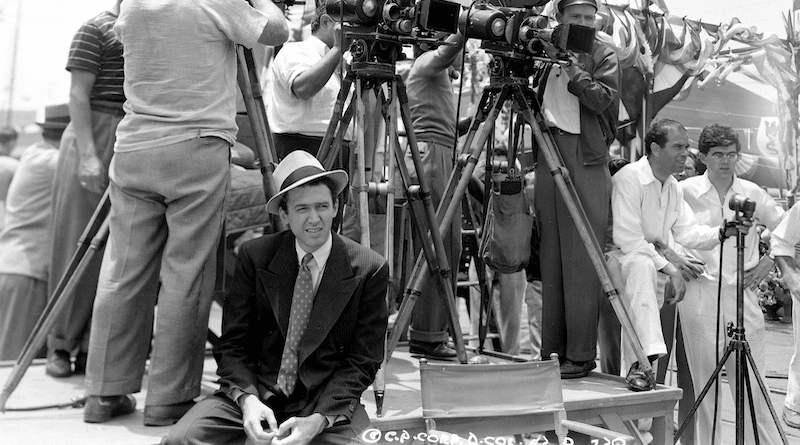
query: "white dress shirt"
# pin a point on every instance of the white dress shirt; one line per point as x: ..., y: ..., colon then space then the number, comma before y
x: 560, y: 107
x: 786, y: 236
x: 288, y: 113
x: 645, y: 211
x: 704, y: 200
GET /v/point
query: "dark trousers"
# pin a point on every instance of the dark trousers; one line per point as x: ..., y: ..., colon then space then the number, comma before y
x: 571, y: 289
x: 217, y: 420
x: 73, y: 207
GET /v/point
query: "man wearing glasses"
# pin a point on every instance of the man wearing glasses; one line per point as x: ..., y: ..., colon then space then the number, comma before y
x: 708, y: 195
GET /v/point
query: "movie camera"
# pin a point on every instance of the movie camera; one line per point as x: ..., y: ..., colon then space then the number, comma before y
x: 517, y: 35
x: 379, y: 28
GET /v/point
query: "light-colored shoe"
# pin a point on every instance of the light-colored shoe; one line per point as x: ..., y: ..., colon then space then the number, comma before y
x: 791, y: 417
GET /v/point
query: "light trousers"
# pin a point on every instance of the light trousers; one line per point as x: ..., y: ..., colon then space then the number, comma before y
x: 165, y: 220
x: 793, y: 388
x: 506, y: 303
x: 642, y: 293
x: 533, y: 299
x: 698, y: 312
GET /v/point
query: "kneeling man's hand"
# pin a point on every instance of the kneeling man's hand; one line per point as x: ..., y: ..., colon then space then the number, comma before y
x: 254, y: 413
x: 300, y: 430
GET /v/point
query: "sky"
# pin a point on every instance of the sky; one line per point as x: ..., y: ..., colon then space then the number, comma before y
x: 47, y: 26
x: 764, y: 14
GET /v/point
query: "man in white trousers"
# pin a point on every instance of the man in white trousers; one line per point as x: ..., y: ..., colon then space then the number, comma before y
x: 709, y: 196
x: 784, y: 241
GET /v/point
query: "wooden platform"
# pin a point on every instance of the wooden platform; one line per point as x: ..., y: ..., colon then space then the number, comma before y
x: 598, y: 399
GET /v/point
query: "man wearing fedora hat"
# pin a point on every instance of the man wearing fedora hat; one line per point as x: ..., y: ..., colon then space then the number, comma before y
x: 24, y: 241
x: 303, y: 326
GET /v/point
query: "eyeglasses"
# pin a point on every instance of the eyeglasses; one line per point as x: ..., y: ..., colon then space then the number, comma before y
x: 729, y: 156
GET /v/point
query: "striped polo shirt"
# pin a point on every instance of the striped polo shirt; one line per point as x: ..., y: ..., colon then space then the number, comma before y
x: 95, y: 48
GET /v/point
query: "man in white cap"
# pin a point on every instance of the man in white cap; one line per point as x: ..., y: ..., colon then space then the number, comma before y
x: 580, y: 102
x: 303, y: 326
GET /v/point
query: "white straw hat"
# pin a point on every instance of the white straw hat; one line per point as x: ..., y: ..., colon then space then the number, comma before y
x: 301, y: 167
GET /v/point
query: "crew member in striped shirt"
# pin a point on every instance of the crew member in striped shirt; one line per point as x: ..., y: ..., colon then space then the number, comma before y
x: 95, y: 106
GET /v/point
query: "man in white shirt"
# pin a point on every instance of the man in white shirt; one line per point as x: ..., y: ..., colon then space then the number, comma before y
x: 784, y: 248
x: 304, y: 84
x: 709, y: 195
x: 650, y: 213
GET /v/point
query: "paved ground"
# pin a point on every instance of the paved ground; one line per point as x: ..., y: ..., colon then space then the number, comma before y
x: 65, y: 426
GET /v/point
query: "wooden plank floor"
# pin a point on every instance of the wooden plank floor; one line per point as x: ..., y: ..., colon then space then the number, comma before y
x: 401, y: 407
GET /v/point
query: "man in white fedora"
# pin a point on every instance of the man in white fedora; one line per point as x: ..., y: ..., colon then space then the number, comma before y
x: 303, y: 326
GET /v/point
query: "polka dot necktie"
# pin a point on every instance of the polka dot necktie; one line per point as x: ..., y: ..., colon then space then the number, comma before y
x: 302, y: 301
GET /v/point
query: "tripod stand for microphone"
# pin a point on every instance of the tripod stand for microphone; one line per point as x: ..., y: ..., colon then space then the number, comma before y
x: 744, y: 209
x: 96, y: 233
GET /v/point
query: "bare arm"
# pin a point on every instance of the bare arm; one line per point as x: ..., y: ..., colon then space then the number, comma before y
x: 433, y: 62
x: 92, y: 173
x: 309, y: 82
x: 790, y: 272
x: 277, y: 30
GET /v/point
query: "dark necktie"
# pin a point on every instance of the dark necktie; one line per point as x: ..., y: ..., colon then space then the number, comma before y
x: 302, y: 300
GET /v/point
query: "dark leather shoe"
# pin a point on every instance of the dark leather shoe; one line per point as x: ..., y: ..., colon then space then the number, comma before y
x: 791, y: 417
x: 576, y: 370
x: 101, y: 409
x: 637, y: 379
x: 80, y: 363
x: 58, y: 364
x: 163, y: 415
x: 434, y: 350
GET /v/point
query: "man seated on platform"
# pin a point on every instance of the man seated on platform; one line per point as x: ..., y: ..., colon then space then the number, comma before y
x: 785, y: 239
x: 280, y: 381
x: 303, y: 86
x: 649, y: 212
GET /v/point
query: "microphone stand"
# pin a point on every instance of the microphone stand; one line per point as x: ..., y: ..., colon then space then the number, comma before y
x: 739, y: 345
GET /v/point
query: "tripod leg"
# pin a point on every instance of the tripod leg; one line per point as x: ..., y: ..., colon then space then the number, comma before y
x: 746, y: 380
x: 98, y: 217
x: 60, y: 300
x: 360, y: 179
x: 421, y: 271
x: 712, y: 380
x: 765, y: 393
x: 390, y: 119
x: 251, y: 91
x: 485, y: 106
x: 327, y: 159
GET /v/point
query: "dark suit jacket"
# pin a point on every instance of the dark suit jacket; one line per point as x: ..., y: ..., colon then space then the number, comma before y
x: 343, y: 345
